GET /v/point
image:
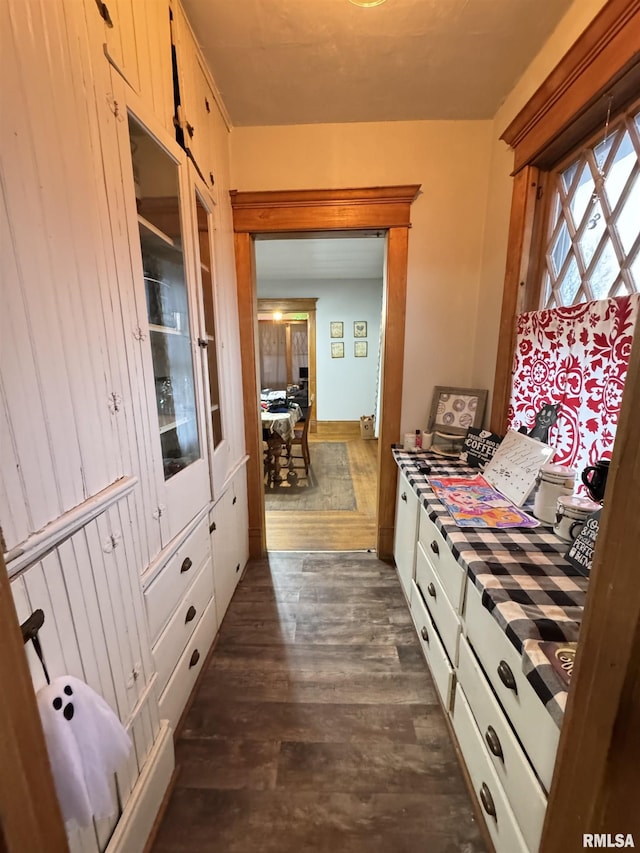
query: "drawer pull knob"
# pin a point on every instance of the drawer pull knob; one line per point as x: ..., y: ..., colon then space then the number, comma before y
x: 431, y: 590
x: 195, y: 657
x: 424, y: 634
x: 506, y: 676
x: 434, y: 548
x: 487, y: 801
x: 493, y: 742
x: 403, y: 497
x: 186, y: 565
x: 191, y: 613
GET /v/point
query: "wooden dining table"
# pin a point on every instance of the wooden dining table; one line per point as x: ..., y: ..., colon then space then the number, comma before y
x: 277, y: 431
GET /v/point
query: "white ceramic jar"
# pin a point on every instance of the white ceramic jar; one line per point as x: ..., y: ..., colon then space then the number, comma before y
x: 554, y: 481
x: 571, y: 515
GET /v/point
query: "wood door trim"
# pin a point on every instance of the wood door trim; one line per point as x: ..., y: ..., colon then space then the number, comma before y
x: 326, y: 210
x: 31, y: 818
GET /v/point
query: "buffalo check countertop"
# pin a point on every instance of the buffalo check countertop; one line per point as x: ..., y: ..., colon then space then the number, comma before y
x: 525, y: 581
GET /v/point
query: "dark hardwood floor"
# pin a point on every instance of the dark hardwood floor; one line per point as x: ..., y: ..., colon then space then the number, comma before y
x: 316, y: 726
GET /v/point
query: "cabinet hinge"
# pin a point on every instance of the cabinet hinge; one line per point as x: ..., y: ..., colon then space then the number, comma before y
x: 103, y: 9
x: 539, y: 192
x: 211, y: 178
x: 202, y: 343
x: 206, y: 105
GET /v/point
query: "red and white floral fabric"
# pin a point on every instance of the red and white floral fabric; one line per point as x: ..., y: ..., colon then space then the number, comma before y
x: 576, y: 357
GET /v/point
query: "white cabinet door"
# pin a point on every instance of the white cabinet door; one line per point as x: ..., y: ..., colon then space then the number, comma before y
x: 229, y: 541
x: 404, y: 545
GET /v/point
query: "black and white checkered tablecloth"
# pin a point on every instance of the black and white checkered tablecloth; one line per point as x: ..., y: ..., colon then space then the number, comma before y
x: 527, y: 584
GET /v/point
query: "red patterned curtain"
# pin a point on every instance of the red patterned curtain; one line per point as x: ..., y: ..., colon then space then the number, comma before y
x: 575, y: 358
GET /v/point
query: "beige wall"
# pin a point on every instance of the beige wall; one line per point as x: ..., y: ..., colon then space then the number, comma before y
x: 457, y: 245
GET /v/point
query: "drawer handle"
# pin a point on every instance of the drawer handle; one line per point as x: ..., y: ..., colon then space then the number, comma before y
x: 186, y: 565
x: 403, y: 497
x: 191, y: 613
x: 431, y: 590
x: 424, y: 634
x: 487, y: 801
x: 434, y: 548
x: 493, y: 742
x: 195, y: 657
x: 506, y: 676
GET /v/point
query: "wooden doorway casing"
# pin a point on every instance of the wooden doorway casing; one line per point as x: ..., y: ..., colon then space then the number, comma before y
x: 299, y: 306
x: 282, y: 212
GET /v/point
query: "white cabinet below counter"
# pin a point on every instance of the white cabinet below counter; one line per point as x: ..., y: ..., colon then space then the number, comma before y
x: 404, y: 543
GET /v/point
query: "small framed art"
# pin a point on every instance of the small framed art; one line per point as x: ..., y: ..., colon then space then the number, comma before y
x: 360, y: 349
x: 454, y: 410
x: 337, y: 349
x: 360, y: 329
x: 337, y: 329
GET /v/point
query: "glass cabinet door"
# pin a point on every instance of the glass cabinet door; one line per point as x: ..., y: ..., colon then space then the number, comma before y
x: 161, y: 240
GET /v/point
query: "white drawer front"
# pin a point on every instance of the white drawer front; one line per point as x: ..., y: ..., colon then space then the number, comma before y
x: 182, y: 624
x: 178, y: 690
x: 450, y: 573
x: 442, y: 613
x: 502, y: 825
x: 519, y: 782
x: 432, y: 648
x: 167, y: 589
x: 532, y: 722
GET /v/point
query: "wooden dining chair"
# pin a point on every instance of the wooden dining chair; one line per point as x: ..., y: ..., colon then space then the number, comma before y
x: 300, y: 437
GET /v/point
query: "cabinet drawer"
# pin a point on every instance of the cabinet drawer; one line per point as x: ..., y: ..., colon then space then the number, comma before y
x: 432, y: 648
x: 494, y: 807
x: 182, y: 625
x: 532, y: 722
x: 178, y: 690
x: 168, y: 588
x: 526, y: 797
x: 449, y: 571
x: 442, y: 613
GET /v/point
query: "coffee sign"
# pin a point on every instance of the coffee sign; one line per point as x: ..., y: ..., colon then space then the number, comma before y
x: 479, y: 447
x: 581, y: 552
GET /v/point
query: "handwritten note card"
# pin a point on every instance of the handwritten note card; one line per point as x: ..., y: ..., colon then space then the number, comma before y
x: 515, y: 465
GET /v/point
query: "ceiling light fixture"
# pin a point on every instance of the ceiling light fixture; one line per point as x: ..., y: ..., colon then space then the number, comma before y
x: 366, y: 3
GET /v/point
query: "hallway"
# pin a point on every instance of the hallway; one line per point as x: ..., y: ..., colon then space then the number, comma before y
x: 316, y: 726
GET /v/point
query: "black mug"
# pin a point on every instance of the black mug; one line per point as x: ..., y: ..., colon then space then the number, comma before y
x: 595, y: 479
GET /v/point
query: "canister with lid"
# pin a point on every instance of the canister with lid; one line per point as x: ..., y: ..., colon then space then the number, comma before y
x: 572, y: 513
x: 553, y: 481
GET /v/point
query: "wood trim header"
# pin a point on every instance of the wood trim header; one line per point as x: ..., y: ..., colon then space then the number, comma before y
x: 605, y: 59
x: 316, y: 210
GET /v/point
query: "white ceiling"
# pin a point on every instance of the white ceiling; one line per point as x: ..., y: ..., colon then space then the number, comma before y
x: 314, y: 61
x: 319, y: 258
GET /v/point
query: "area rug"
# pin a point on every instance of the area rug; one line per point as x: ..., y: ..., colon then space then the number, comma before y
x: 327, y: 488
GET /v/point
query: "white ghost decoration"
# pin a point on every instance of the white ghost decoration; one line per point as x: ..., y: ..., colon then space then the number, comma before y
x: 86, y: 743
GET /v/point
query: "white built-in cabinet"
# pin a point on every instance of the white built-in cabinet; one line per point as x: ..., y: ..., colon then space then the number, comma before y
x: 123, y: 497
x: 406, y: 525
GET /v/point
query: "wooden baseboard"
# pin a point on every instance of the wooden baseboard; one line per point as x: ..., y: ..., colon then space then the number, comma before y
x: 143, y: 806
x: 330, y: 428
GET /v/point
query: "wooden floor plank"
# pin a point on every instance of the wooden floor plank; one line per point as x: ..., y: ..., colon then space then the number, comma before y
x: 316, y: 725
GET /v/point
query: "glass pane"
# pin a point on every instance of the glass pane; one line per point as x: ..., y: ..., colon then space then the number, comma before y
x: 156, y: 185
x: 568, y: 175
x: 604, y: 273
x: 568, y: 287
x: 582, y: 195
x: 209, y: 320
x: 628, y: 222
x: 592, y: 234
x: 618, y: 174
x: 634, y: 269
x: 561, y: 248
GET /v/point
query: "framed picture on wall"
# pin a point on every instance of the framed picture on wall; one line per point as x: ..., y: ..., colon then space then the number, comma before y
x: 360, y: 329
x: 360, y: 349
x: 337, y: 349
x: 337, y: 329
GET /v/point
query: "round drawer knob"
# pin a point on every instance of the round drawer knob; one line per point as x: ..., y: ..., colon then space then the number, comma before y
x: 506, y: 676
x: 195, y: 657
x: 186, y: 565
x: 431, y: 590
x: 434, y: 547
x: 403, y: 497
x: 191, y: 614
x: 424, y: 634
x: 487, y: 801
x: 493, y: 742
